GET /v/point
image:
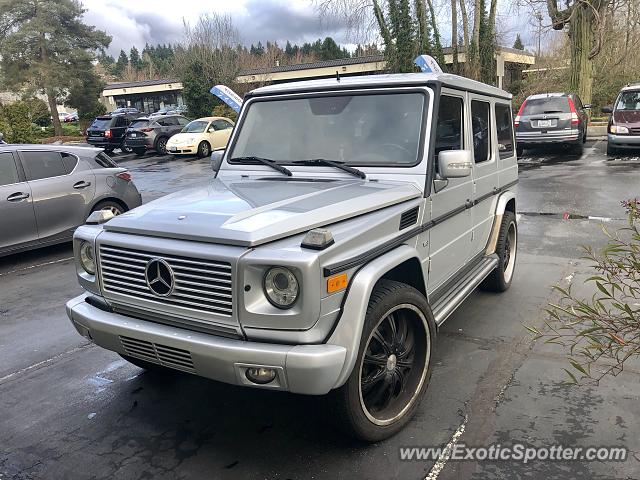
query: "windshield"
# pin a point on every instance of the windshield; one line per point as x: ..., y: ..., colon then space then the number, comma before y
x: 538, y: 106
x: 197, y: 126
x: 629, y: 101
x: 371, y: 129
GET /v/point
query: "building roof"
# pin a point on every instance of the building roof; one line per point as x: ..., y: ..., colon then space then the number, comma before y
x: 322, y: 64
x: 385, y: 80
x: 141, y: 83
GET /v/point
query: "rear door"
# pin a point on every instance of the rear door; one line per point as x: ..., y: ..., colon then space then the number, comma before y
x: 62, y: 188
x: 16, y: 205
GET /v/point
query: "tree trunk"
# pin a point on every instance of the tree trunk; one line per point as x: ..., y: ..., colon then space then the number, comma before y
x: 582, y: 38
x: 472, y: 55
x: 57, y: 126
x: 454, y: 36
x: 465, y: 25
x: 437, y: 44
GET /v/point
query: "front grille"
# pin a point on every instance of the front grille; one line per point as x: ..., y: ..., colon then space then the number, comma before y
x: 200, y: 285
x: 634, y: 131
x: 157, y: 353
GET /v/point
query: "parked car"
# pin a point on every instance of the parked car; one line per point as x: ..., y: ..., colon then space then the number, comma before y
x: 623, y: 131
x: 108, y: 131
x: 340, y: 231
x: 180, y: 109
x: 152, y: 133
x: 201, y: 136
x: 130, y: 110
x: 70, y: 117
x: 46, y: 191
x: 552, y: 119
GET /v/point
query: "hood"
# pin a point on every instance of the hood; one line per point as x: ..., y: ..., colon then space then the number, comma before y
x: 252, y: 211
x: 627, y: 118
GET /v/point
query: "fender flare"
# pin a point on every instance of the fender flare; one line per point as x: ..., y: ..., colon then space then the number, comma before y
x: 349, y: 329
x: 501, y: 206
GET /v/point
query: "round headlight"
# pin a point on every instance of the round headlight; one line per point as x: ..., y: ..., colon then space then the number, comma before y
x: 281, y: 287
x: 87, y: 258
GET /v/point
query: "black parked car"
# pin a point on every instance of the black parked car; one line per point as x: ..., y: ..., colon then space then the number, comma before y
x: 152, y: 133
x: 108, y: 131
x: 552, y: 118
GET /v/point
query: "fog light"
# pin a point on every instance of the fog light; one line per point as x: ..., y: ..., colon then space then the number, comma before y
x: 260, y: 375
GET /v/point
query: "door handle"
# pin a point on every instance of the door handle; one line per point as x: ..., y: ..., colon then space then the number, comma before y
x: 18, y: 197
x: 80, y: 185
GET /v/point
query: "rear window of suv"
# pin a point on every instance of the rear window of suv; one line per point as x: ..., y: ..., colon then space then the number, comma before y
x: 538, y: 106
x: 101, y: 123
x: 139, y: 123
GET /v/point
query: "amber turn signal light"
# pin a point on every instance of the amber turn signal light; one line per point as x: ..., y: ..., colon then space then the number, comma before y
x: 337, y: 283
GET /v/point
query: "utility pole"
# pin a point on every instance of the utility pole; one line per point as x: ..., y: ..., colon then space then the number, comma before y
x: 539, y: 18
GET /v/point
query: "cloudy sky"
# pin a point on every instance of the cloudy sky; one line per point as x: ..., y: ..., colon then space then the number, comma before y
x: 136, y: 22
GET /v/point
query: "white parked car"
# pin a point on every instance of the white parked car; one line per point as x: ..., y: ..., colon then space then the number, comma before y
x: 201, y: 136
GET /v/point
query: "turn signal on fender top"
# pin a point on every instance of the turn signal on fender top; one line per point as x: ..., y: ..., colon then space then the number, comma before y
x: 337, y: 283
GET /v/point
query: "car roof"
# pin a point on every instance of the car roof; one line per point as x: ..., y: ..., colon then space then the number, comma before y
x: 74, y: 149
x: 383, y: 80
x: 630, y: 87
x: 538, y: 96
x: 210, y: 119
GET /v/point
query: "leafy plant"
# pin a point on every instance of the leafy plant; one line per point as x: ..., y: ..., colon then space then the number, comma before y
x: 602, y: 333
x: 15, y: 123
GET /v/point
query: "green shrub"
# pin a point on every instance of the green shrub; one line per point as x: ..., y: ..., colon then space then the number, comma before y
x: 15, y: 123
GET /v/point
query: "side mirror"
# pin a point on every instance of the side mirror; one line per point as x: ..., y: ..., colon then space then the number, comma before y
x: 607, y: 109
x: 216, y: 161
x: 455, y: 163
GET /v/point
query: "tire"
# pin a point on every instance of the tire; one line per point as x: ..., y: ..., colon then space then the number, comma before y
x: 584, y: 137
x: 519, y: 150
x: 150, y: 366
x: 500, y: 279
x: 161, y: 145
x: 611, y: 150
x: 578, y: 148
x: 139, y: 151
x: 381, y: 394
x: 115, y: 207
x: 124, y: 149
x: 204, y: 149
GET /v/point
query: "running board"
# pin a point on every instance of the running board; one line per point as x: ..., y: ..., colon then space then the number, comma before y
x: 459, y: 291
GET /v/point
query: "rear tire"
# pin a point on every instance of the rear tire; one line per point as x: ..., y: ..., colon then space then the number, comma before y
x: 578, y: 148
x: 393, y: 367
x: 519, y: 150
x: 506, y: 247
x: 139, y: 151
x: 124, y: 149
x: 114, y: 207
x: 204, y: 149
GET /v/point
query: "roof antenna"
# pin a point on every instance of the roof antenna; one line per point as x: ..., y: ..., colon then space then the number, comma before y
x: 337, y: 75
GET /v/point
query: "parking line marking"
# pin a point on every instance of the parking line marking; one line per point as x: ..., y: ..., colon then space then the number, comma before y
x: 30, y: 267
x: 46, y: 362
x: 446, y: 453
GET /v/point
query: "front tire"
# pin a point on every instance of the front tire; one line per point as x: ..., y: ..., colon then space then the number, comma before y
x: 611, y: 150
x: 393, y: 367
x: 204, y: 149
x: 506, y: 247
x: 161, y: 145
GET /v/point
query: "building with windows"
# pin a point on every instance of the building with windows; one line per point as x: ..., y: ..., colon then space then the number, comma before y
x: 146, y: 95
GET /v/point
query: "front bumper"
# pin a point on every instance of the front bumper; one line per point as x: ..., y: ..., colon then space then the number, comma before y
x: 624, y: 141
x: 182, y: 149
x: 306, y: 369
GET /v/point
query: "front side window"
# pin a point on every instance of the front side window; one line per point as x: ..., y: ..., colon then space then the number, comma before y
x: 367, y: 129
x: 40, y: 165
x: 449, y: 129
x: 481, y: 124
x: 628, y: 101
x: 8, y: 170
x: 505, y: 130
x: 197, y: 126
x: 221, y: 125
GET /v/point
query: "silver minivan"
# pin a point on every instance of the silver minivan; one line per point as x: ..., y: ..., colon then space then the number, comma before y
x: 46, y: 191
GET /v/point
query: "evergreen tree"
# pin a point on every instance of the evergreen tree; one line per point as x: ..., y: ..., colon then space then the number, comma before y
x: 518, y: 45
x: 134, y: 58
x: 121, y: 64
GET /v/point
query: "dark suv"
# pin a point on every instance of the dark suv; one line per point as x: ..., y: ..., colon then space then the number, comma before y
x: 623, y: 131
x: 152, y: 133
x: 107, y: 131
x: 551, y: 118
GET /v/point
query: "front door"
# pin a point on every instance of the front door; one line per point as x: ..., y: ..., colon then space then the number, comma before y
x: 16, y: 206
x: 450, y: 238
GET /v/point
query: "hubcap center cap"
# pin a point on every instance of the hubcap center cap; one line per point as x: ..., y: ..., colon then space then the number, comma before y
x: 392, y: 361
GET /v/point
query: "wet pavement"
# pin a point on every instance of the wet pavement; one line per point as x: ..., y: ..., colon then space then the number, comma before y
x: 72, y: 410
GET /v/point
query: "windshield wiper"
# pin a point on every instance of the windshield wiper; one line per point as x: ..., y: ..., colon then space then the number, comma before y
x: 264, y: 161
x: 333, y: 163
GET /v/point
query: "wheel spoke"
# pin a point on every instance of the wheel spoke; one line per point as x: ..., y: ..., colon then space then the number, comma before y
x: 394, y: 329
x: 383, y: 343
x: 406, y: 348
x: 379, y: 360
x: 381, y: 389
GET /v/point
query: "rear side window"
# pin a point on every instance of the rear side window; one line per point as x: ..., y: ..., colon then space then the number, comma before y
x: 39, y: 165
x: 539, y: 106
x: 481, y: 124
x: 449, y: 129
x: 221, y: 124
x: 183, y: 121
x: 167, y: 121
x: 505, y: 130
x: 105, y: 161
x: 8, y: 169
x: 69, y: 161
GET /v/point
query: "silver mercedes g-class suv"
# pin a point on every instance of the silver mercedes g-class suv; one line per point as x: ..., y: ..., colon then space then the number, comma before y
x: 346, y: 220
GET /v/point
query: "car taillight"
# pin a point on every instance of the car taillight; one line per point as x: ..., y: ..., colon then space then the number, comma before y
x: 107, y: 134
x: 516, y: 121
x: 146, y: 129
x: 574, y: 113
x: 126, y: 176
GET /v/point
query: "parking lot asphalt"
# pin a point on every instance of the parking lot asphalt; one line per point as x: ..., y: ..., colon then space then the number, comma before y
x: 71, y: 410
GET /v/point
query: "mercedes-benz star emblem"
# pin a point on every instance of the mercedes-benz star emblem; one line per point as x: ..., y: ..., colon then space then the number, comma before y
x: 159, y: 277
